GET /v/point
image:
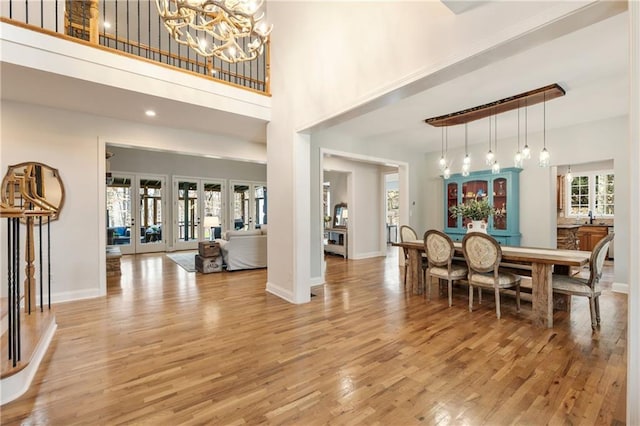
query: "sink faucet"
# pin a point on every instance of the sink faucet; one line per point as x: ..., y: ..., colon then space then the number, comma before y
x: 591, y: 217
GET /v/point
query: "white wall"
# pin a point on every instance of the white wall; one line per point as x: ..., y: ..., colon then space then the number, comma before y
x: 74, y: 144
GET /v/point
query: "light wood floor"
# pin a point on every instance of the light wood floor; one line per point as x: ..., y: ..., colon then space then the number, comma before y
x: 168, y: 347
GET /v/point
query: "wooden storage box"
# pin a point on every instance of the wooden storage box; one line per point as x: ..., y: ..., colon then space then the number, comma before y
x: 208, y: 249
x: 206, y: 265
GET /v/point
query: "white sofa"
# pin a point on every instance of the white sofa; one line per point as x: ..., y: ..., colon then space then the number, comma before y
x: 244, y: 249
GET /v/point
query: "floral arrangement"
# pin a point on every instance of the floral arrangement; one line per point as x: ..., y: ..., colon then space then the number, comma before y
x: 474, y: 210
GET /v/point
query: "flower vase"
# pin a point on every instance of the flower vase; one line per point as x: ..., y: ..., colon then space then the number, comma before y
x: 477, y: 226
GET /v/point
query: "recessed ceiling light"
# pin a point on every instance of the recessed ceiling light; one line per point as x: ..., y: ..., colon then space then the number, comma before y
x: 150, y: 113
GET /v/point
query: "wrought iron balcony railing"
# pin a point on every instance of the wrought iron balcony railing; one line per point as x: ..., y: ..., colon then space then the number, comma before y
x: 133, y: 27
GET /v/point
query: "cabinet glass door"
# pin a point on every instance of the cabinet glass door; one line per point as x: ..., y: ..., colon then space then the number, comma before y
x: 452, y: 200
x: 474, y: 190
x: 500, y: 204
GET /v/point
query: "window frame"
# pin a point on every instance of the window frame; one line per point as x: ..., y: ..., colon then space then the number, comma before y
x: 591, y: 178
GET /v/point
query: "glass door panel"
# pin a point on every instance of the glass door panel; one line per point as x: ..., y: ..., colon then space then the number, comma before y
x: 249, y: 205
x: 213, y: 210
x: 119, y: 200
x: 187, y: 215
x: 150, y: 215
x: 500, y: 203
x: 260, y: 204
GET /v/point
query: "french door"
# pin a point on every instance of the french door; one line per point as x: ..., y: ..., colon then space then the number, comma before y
x: 248, y: 205
x: 198, y: 211
x: 135, y: 213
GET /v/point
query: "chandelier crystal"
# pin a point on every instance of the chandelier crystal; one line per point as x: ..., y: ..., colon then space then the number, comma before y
x: 545, y: 157
x: 231, y: 30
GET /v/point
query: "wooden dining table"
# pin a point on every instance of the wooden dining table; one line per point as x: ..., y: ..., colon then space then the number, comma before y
x: 541, y: 262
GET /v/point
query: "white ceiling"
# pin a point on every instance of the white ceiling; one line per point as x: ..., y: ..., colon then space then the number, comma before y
x: 57, y: 91
x: 591, y: 64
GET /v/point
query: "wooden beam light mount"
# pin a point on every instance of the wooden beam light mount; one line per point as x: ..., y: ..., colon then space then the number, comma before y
x: 529, y: 98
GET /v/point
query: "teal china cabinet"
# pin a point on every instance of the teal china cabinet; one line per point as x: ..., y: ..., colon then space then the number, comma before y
x: 502, y: 190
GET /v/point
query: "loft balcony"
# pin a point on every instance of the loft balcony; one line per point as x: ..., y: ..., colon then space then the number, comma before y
x: 131, y: 28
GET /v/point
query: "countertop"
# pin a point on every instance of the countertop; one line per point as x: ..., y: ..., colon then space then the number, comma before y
x: 578, y: 225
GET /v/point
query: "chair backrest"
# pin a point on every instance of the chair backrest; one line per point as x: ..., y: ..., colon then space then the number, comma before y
x: 407, y: 234
x: 596, y: 261
x: 482, y: 252
x: 438, y: 247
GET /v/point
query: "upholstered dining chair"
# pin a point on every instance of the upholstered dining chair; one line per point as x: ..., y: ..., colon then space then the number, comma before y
x: 587, y: 287
x: 483, y: 254
x: 408, y: 234
x: 439, y: 250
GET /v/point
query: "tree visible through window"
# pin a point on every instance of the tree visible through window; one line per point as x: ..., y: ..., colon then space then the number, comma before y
x: 592, y: 192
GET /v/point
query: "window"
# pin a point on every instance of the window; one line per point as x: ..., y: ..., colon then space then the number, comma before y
x: 591, y: 192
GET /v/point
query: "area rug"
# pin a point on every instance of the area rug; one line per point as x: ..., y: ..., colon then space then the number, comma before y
x: 186, y: 259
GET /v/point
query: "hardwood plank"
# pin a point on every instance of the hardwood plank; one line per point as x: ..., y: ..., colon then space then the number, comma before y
x: 171, y: 347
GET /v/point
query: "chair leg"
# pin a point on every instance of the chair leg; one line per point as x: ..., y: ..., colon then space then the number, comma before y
x: 405, y: 273
x: 518, y: 296
x: 427, y: 283
x: 597, y: 300
x: 450, y: 290
x: 479, y: 295
x: 470, y: 298
x: 592, y: 305
x: 497, y: 290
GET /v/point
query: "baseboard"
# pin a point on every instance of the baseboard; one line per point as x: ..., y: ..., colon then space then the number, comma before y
x: 67, y: 296
x: 620, y: 288
x: 316, y: 281
x: 17, y: 384
x: 280, y: 292
x: 368, y: 255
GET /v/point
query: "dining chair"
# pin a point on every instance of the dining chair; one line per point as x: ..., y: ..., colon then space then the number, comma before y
x: 587, y: 287
x: 408, y: 234
x: 483, y: 254
x: 439, y: 250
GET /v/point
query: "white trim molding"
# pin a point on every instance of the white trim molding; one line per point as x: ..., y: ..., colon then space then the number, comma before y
x: 620, y: 288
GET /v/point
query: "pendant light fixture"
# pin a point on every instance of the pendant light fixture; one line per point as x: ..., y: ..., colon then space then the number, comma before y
x: 443, y: 161
x: 569, y: 176
x: 517, y: 159
x: 446, y: 173
x: 526, y: 151
x: 466, y: 163
x: 545, y: 157
x: 489, y: 156
x: 495, y: 167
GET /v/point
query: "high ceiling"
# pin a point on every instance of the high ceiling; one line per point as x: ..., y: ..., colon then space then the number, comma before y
x: 591, y: 64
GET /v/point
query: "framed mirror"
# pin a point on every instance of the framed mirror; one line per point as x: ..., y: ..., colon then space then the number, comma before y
x: 33, y: 185
x: 340, y: 215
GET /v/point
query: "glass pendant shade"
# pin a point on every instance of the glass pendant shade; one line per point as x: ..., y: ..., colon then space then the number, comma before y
x: 446, y: 173
x: 545, y: 158
x: 569, y: 176
x: 517, y: 160
x: 526, y: 152
x: 442, y: 163
x: 495, y: 168
x: 489, y: 157
x: 465, y: 169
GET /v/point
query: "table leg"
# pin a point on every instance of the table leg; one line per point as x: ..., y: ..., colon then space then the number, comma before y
x: 415, y: 271
x: 542, y: 295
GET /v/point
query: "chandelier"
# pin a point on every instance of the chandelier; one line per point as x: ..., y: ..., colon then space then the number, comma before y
x: 231, y: 30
